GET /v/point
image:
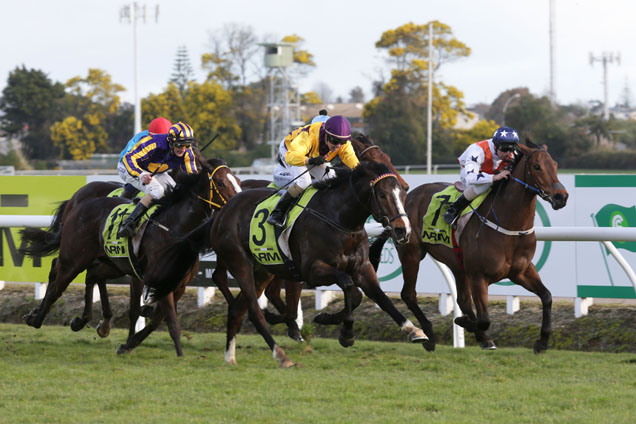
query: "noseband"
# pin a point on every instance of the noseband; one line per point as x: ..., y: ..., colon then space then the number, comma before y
x: 526, y: 171
x: 214, y: 189
x: 377, y: 215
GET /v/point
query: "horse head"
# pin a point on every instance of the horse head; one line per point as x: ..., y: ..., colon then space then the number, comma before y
x: 367, y: 150
x: 539, y: 172
x: 388, y: 199
x: 223, y: 183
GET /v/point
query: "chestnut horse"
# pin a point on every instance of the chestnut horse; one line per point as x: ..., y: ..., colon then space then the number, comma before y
x: 76, y: 233
x: 491, y: 251
x: 328, y: 244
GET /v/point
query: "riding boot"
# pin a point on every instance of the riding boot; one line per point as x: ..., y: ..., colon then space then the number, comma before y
x: 455, y: 209
x: 129, y: 226
x: 129, y: 191
x: 277, y: 217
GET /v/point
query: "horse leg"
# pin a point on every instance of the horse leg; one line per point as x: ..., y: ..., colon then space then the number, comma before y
x: 410, y: 258
x: 479, y: 288
x: 65, y: 271
x: 156, y: 319
x: 293, y: 289
x: 531, y: 281
x: 30, y: 316
x: 325, y: 318
x: 169, y: 306
x: 368, y: 282
x: 219, y: 276
x: 79, y: 323
x: 272, y: 292
x: 247, y: 299
x: 103, y: 327
x: 134, y: 308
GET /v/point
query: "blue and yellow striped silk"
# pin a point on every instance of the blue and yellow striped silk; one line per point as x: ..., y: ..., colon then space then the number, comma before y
x: 153, y: 154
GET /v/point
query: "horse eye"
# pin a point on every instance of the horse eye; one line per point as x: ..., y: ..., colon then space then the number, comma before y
x: 382, y: 195
x: 537, y: 167
x: 221, y: 184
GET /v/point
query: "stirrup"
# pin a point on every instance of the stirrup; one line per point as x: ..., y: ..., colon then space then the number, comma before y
x: 277, y: 220
x: 450, y: 217
x: 127, y: 229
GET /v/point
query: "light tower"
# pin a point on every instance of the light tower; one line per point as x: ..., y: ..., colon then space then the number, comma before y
x: 605, y: 58
x: 132, y: 13
x: 283, y: 99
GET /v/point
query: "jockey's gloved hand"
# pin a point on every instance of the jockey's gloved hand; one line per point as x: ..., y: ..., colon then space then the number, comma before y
x: 318, y: 160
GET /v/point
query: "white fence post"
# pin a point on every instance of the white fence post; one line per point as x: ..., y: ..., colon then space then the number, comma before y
x: 1, y: 284
x: 204, y: 295
x: 96, y: 296
x: 512, y: 304
x: 581, y: 306
x: 40, y: 290
x: 446, y: 304
x: 323, y: 297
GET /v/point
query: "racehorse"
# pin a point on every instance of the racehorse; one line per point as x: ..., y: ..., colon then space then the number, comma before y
x: 328, y: 244
x: 224, y: 185
x: 490, y: 251
x: 365, y: 149
x: 77, y: 233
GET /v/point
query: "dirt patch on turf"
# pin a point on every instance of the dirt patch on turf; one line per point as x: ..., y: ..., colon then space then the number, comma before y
x: 609, y: 327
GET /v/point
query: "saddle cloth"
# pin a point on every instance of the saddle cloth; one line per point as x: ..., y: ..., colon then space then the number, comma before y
x: 435, y: 230
x: 268, y: 244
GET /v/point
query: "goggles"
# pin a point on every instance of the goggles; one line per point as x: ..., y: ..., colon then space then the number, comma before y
x: 334, y: 140
x: 506, y: 148
x: 179, y: 144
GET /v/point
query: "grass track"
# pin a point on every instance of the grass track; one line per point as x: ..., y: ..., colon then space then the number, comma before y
x: 55, y: 375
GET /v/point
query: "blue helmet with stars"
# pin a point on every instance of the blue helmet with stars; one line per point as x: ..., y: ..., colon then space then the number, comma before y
x: 505, y: 135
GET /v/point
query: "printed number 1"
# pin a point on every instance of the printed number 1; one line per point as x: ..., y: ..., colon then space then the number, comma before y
x: 261, y: 241
x: 445, y: 201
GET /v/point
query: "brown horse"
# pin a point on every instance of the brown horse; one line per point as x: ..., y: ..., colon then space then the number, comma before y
x: 76, y: 233
x: 328, y: 244
x: 366, y: 150
x: 491, y: 252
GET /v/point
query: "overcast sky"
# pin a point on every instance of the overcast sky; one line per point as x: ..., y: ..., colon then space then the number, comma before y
x: 509, y: 40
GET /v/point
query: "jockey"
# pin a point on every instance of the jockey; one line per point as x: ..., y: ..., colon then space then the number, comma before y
x: 321, y: 117
x: 157, y: 126
x: 303, y: 154
x: 145, y: 166
x: 482, y: 164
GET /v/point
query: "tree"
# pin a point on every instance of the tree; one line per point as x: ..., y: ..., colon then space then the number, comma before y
x: 482, y: 130
x: 356, y: 95
x: 30, y: 103
x: 182, y: 72
x: 73, y: 139
x: 90, y: 100
x: 507, y: 99
x: 398, y: 113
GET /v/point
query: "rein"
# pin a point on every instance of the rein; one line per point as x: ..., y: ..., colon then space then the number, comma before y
x: 367, y: 149
x: 383, y: 218
x: 214, y: 189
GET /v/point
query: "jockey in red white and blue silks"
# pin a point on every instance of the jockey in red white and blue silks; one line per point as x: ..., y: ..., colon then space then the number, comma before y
x: 305, y: 153
x: 145, y: 166
x: 482, y: 164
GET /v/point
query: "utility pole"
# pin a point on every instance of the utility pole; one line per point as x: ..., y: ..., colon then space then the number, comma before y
x: 429, y: 113
x: 605, y: 58
x: 132, y: 13
x: 552, y: 52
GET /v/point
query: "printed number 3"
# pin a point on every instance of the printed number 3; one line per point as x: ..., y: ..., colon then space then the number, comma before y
x: 261, y: 241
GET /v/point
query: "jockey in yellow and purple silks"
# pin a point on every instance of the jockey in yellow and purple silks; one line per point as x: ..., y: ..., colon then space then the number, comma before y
x: 304, y: 154
x: 145, y: 166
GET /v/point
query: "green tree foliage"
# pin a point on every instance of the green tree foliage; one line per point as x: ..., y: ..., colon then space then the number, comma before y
x: 30, y: 103
x: 182, y: 72
x: 91, y: 101
x: 356, y: 95
x: 398, y: 113
x: 482, y: 130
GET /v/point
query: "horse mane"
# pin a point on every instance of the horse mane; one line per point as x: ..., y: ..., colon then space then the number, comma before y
x: 343, y: 174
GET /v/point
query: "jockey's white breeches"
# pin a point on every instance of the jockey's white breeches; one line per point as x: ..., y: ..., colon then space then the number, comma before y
x: 284, y: 174
x: 473, y: 190
x: 157, y: 186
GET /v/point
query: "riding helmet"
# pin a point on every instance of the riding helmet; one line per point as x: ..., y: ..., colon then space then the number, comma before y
x: 339, y: 127
x: 180, y: 133
x: 505, y: 135
x: 159, y: 126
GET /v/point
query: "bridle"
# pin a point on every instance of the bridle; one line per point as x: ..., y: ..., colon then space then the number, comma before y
x: 526, y: 171
x: 367, y: 149
x: 377, y: 214
x: 214, y: 189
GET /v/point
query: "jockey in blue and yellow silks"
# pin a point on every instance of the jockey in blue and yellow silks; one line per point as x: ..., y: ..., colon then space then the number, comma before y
x: 145, y: 166
x: 304, y: 154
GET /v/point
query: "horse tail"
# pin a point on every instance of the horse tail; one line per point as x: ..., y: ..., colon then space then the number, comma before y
x: 375, y: 250
x: 37, y: 242
x: 177, y: 259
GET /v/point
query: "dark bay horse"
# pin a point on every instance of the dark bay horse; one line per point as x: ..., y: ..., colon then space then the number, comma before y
x: 366, y: 150
x: 223, y: 186
x: 77, y: 234
x: 490, y: 254
x: 328, y: 244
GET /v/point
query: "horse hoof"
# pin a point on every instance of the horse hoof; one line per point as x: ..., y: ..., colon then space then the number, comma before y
x: 30, y: 320
x: 77, y: 324
x: 146, y: 311
x: 272, y: 318
x: 123, y: 349
x: 294, y: 334
x: 102, y: 330
x: 465, y: 323
x: 488, y: 345
x: 429, y: 345
x: 540, y: 347
x: 346, y: 341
